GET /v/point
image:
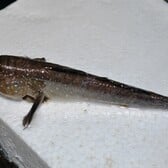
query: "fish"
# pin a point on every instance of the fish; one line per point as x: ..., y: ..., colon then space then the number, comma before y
x: 37, y: 81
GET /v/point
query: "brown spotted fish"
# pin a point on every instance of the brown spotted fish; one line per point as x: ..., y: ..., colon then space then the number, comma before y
x: 37, y: 80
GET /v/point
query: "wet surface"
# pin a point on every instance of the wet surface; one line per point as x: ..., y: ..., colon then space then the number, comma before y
x: 4, y: 162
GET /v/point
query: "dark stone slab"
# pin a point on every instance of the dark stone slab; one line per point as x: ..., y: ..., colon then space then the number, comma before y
x: 5, y: 3
x: 4, y: 161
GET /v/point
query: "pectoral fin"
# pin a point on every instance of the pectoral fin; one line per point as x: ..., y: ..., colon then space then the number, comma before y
x: 28, y: 118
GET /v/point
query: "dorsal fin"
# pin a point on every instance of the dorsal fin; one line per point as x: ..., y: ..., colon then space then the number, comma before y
x: 64, y: 69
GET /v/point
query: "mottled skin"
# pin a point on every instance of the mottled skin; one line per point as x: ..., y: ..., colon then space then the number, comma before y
x: 36, y: 80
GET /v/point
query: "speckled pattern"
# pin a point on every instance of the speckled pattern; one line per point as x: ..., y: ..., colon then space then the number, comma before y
x: 38, y: 80
x: 21, y: 77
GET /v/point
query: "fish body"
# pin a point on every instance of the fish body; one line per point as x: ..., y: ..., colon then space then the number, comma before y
x: 35, y: 79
